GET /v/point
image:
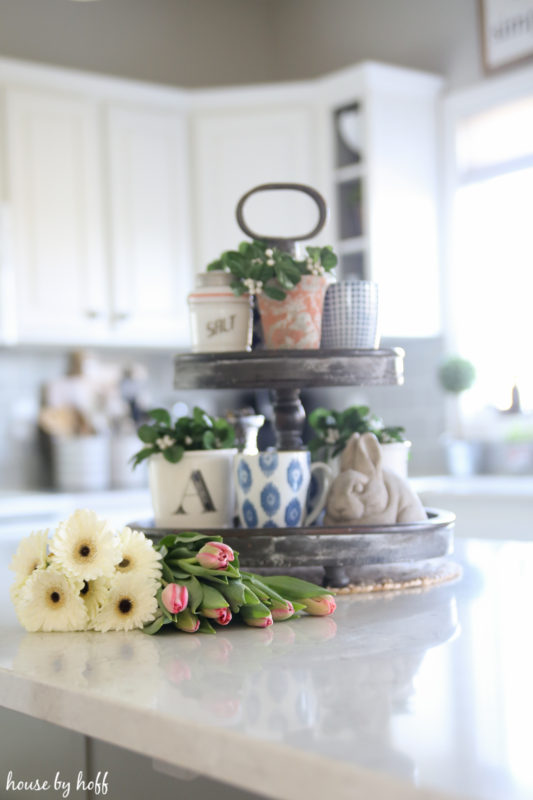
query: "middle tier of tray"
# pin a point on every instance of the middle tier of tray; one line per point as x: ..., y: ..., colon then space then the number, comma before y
x: 289, y: 369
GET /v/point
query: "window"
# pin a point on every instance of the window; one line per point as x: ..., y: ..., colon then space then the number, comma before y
x: 491, y: 297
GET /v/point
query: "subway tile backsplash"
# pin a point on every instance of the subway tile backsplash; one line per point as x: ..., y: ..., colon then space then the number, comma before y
x: 418, y: 404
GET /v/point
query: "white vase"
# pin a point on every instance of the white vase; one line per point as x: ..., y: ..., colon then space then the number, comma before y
x: 81, y: 463
x: 123, y: 476
x: 394, y: 456
x: 197, y: 492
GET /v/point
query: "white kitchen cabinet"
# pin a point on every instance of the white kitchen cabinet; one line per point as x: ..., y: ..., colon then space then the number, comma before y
x: 272, y: 138
x: 104, y: 227
x: 383, y: 188
x: 54, y: 214
x: 148, y: 226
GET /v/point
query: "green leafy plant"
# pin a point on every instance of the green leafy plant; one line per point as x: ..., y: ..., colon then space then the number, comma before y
x: 257, y: 268
x: 332, y: 429
x: 199, y: 432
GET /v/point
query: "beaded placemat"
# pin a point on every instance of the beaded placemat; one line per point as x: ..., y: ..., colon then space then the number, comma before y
x: 447, y: 571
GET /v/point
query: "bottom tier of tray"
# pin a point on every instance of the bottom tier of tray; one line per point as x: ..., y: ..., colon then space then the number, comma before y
x: 344, y: 554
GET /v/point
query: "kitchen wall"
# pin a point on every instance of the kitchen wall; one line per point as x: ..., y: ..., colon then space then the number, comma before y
x: 316, y: 36
x: 218, y: 42
x: 179, y: 42
x: 24, y: 463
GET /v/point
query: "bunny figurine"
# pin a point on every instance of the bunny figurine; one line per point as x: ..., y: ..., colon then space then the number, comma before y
x: 367, y: 494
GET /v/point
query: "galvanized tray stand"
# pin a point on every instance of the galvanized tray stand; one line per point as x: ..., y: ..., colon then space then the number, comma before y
x: 286, y: 372
x: 344, y: 553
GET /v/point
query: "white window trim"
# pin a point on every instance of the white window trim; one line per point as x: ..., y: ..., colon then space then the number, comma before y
x: 458, y: 105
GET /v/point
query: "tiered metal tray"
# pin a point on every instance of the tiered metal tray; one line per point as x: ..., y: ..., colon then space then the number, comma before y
x: 346, y: 554
x: 285, y: 372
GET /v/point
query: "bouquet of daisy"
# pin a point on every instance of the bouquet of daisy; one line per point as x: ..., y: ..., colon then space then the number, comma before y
x: 88, y: 576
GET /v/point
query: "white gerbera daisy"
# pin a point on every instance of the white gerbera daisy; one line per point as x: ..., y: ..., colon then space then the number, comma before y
x: 50, y: 601
x: 130, y: 603
x: 138, y: 555
x: 94, y: 594
x: 30, y: 555
x: 85, y: 546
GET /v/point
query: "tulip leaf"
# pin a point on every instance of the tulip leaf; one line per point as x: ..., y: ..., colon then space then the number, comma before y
x: 194, y: 587
x: 156, y: 625
x: 205, y: 626
x: 255, y: 611
x: 293, y: 588
x: 196, y: 569
x: 261, y: 588
x: 167, y: 572
x: 166, y: 613
x: 234, y: 591
x: 212, y: 598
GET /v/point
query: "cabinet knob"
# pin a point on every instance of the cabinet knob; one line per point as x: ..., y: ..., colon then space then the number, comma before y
x: 92, y: 313
x: 120, y: 316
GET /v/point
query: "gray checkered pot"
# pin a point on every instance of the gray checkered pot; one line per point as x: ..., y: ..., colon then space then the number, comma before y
x: 351, y: 316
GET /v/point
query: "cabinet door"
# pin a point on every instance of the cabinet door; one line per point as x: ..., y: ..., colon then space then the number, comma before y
x: 54, y: 196
x: 235, y: 150
x: 150, y: 263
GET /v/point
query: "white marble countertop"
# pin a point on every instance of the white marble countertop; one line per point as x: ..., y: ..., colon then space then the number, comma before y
x: 423, y: 694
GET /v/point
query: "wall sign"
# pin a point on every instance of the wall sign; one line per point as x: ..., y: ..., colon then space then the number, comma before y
x: 507, y: 27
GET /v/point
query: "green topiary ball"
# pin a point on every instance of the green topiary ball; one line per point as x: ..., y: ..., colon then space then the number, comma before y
x: 457, y: 374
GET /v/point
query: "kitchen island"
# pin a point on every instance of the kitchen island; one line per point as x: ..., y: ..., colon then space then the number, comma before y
x: 422, y: 694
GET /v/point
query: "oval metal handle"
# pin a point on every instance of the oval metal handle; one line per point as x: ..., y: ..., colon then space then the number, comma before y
x: 283, y: 242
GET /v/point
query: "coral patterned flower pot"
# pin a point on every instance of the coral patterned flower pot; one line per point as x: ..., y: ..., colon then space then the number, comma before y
x: 294, y: 323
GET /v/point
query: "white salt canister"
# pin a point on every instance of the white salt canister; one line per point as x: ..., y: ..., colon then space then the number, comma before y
x: 220, y: 321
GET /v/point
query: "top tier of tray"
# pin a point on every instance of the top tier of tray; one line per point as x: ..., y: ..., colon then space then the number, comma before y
x: 289, y: 369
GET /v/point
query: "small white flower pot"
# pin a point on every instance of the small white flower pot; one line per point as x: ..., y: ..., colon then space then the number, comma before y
x: 197, y: 492
x: 394, y: 456
x: 81, y: 463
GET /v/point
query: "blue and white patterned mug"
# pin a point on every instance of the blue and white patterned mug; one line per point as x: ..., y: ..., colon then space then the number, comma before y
x: 272, y: 488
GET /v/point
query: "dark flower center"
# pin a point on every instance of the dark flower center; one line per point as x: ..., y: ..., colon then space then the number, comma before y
x: 84, y: 550
x: 55, y: 597
x: 124, y: 563
x: 85, y: 588
x: 125, y: 605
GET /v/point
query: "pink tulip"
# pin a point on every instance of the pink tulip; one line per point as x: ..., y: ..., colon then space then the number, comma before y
x: 220, y: 615
x: 187, y: 621
x: 215, y: 555
x: 282, y: 611
x: 320, y: 606
x: 175, y: 597
x: 259, y: 622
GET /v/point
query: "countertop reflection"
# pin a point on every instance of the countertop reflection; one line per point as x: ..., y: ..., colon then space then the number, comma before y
x: 430, y: 689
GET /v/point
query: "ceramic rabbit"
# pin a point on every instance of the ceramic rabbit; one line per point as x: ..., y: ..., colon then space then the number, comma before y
x: 367, y: 494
